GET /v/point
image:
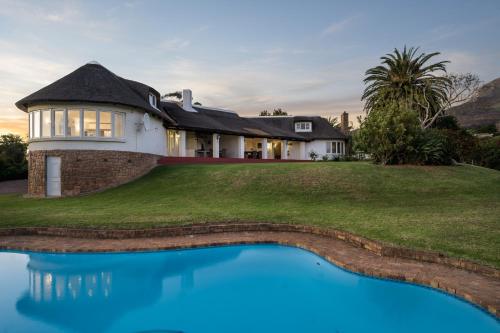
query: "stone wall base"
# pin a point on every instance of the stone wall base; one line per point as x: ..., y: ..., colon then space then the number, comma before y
x: 87, y: 171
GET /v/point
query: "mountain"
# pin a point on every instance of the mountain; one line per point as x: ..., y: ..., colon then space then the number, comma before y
x: 482, y: 110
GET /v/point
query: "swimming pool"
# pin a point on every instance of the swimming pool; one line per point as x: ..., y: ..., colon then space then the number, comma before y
x: 250, y: 288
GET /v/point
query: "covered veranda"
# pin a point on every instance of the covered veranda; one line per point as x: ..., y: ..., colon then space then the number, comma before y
x: 182, y: 143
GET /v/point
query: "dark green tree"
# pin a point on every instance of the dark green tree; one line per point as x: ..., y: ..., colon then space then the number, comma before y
x: 409, y: 79
x: 13, y: 163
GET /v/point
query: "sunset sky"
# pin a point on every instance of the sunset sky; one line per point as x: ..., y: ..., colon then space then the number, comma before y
x: 307, y: 57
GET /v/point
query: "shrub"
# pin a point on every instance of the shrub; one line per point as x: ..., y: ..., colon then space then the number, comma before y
x: 324, y: 158
x: 13, y: 163
x: 433, y: 148
x: 462, y: 145
x: 389, y: 135
x: 488, y: 153
x: 313, y: 155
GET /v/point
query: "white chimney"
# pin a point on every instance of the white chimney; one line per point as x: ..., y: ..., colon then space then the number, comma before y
x: 187, y: 100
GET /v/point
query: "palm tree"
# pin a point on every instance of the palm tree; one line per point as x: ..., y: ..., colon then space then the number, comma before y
x: 408, y: 79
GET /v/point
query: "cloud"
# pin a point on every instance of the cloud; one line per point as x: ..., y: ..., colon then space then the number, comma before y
x: 174, y: 44
x: 61, y: 12
x: 338, y: 26
x: 21, y: 74
x: 18, y: 125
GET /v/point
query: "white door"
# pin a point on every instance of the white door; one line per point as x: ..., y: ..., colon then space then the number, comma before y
x: 53, y: 176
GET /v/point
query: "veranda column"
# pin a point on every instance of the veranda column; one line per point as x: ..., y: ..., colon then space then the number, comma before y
x: 241, y: 147
x: 215, y: 145
x: 182, y: 143
x: 264, y: 148
x: 302, y: 151
x: 284, y: 149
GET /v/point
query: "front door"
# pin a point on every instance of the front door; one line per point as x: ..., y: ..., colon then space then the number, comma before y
x: 53, y: 179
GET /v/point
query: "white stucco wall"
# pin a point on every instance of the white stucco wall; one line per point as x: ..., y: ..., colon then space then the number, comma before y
x: 294, y: 152
x: 152, y: 141
x: 319, y: 146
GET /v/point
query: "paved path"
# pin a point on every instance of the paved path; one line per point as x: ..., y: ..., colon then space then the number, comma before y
x: 477, y: 288
x: 14, y: 186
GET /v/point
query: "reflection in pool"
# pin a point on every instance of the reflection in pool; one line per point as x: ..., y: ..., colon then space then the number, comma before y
x: 261, y: 288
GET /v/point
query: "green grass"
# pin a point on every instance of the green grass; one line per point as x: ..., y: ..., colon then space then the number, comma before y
x: 454, y: 210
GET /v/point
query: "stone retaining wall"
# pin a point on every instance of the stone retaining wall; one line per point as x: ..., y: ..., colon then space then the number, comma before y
x: 86, y: 171
x: 376, y: 247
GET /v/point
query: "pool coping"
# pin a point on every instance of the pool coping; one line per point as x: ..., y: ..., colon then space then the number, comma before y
x: 374, y: 258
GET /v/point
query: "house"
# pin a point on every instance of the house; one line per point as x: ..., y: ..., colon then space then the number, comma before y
x: 92, y: 130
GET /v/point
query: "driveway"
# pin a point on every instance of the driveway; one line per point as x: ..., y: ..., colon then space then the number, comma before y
x: 14, y: 186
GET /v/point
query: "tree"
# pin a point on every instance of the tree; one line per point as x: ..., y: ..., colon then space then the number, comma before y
x: 333, y: 121
x: 276, y: 112
x: 13, y: 163
x: 408, y: 79
x: 389, y: 134
x: 175, y: 94
x: 462, y: 88
x: 279, y: 112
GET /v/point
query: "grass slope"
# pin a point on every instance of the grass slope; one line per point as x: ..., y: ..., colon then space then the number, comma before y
x: 455, y: 210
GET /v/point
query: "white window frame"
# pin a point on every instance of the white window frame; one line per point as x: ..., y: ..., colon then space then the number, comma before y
x: 32, y: 124
x: 65, y: 113
x: 303, y: 126
x: 152, y: 100
x: 35, y: 129
x: 42, y: 132
x: 335, y: 147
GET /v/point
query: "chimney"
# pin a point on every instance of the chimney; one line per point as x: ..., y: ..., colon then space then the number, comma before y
x: 344, y: 122
x: 187, y: 100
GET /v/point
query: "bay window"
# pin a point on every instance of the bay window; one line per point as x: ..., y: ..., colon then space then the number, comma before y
x: 76, y: 123
x: 73, y: 128
x: 30, y: 121
x: 59, y: 122
x: 46, y: 121
x: 36, y: 124
x: 105, y: 129
x: 89, y: 123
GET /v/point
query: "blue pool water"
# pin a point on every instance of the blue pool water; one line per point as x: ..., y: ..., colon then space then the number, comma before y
x: 237, y: 289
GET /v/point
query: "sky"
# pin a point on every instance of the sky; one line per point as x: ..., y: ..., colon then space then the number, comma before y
x: 306, y: 57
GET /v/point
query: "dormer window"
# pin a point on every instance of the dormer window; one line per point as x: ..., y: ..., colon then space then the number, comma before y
x: 303, y: 126
x: 152, y: 100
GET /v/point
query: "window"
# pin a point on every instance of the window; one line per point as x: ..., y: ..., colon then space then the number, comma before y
x: 73, y: 128
x: 152, y: 100
x: 173, y: 143
x: 59, y: 122
x: 46, y: 121
x: 89, y: 123
x: 76, y: 123
x: 119, y: 122
x: 30, y: 121
x: 303, y: 126
x: 36, y: 124
x: 335, y: 147
x: 105, y: 124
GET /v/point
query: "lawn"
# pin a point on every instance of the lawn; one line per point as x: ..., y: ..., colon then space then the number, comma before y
x: 454, y: 210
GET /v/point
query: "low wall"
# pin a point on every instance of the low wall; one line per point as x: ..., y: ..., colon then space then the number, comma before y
x: 376, y: 247
x: 86, y: 171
